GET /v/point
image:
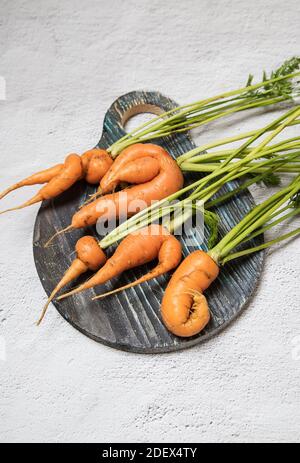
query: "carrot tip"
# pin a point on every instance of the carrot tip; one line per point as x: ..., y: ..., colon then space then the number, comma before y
x: 11, y: 210
x: 69, y: 293
x: 45, y: 308
x: 109, y: 293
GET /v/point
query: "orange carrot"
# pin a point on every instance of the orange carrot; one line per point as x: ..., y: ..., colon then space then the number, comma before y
x: 36, y: 179
x: 184, y: 308
x: 139, y: 162
x: 169, y: 257
x: 89, y: 257
x: 92, y: 166
x: 137, y: 249
x: 96, y: 163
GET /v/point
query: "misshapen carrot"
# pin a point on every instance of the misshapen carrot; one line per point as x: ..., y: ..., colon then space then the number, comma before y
x: 95, y: 163
x: 184, y: 308
x: 137, y: 249
x: 148, y: 164
x: 169, y: 257
x: 89, y: 257
x: 92, y: 166
x: 36, y: 179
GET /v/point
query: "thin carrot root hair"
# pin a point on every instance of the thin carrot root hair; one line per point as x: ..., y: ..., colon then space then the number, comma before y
x: 8, y: 190
x: 156, y: 272
x: 60, y: 232
x: 193, y: 292
x: 91, y: 198
x: 68, y: 294
x: 73, y: 291
x: 45, y: 308
x: 30, y: 202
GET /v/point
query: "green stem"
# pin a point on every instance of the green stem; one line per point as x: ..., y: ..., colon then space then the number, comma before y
x: 202, y: 121
x: 244, y: 228
x: 260, y: 247
x: 154, y: 125
x: 289, y: 116
x: 276, y: 126
x: 248, y: 183
x: 225, y: 141
x: 285, y: 145
x: 131, y: 223
x: 204, y: 168
x: 273, y: 224
x: 220, y: 176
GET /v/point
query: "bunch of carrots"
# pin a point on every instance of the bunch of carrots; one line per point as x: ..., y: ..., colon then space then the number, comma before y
x: 155, y: 180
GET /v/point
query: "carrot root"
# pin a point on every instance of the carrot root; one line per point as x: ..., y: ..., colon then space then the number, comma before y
x: 60, y: 232
x: 89, y: 257
x: 43, y: 176
x: 74, y: 271
x: 155, y: 273
x: 36, y: 199
x: 137, y: 249
x: 9, y: 190
x: 92, y: 166
x: 45, y: 308
x: 92, y: 198
x: 71, y: 293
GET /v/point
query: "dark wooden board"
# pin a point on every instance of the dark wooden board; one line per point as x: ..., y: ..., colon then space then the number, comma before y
x: 131, y: 320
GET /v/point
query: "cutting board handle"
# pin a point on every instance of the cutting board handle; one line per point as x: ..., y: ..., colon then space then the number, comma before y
x: 127, y: 106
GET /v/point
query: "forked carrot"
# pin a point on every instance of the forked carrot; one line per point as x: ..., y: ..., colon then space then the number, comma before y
x: 148, y: 164
x: 36, y: 179
x: 92, y: 166
x: 137, y: 249
x: 281, y: 86
x: 89, y: 257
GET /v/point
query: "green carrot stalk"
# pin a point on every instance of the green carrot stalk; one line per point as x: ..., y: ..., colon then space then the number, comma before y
x: 208, y: 186
x: 279, y: 87
x: 274, y: 126
x: 221, y: 155
x: 257, y: 222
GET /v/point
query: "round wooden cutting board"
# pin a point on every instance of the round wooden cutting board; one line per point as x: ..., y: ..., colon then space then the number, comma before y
x: 131, y: 320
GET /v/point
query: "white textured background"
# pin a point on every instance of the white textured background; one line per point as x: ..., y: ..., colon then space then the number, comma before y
x: 64, y: 63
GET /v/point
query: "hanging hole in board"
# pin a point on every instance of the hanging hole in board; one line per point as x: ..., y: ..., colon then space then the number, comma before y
x: 138, y: 115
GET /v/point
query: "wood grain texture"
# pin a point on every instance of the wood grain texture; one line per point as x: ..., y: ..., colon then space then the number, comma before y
x: 131, y: 320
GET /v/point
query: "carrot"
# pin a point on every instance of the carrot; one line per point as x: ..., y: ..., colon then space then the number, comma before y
x: 36, y: 179
x: 92, y: 166
x: 150, y: 164
x: 139, y: 163
x: 89, y: 257
x: 137, y: 249
x: 184, y: 308
x: 141, y: 171
x: 95, y: 163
